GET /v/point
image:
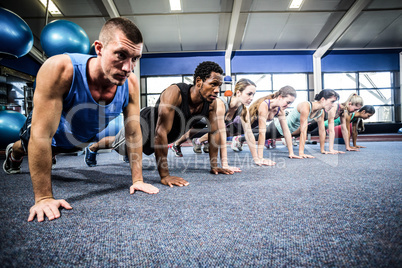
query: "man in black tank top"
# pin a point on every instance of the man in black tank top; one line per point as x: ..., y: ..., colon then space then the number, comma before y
x: 179, y: 107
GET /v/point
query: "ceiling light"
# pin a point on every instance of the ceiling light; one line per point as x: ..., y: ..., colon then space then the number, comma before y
x: 175, y: 5
x: 295, y: 4
x: 52, y: 7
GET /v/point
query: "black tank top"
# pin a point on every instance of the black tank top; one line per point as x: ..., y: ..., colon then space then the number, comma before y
x: 182, y: 122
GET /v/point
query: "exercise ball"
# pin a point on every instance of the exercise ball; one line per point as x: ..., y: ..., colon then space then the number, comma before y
x: 92, y: 50
x: 400, y: 131
x: 10, y: 125
x: 61, y: 36
x: 16, y: 36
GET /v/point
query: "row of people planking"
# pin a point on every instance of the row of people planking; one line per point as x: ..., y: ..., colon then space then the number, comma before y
x: 77, y: 95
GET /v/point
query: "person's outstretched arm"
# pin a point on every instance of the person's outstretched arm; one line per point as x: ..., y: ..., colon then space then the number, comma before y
x: 170, y: 100
x: 249, y: 135
x: 345, y: 125
x: 214, y: 141
x: 304, y: 110
x: 134, y: 139
x: 262, y: 127
x: 220, y: 117
x: 53, y: 81
x: 287, y: 134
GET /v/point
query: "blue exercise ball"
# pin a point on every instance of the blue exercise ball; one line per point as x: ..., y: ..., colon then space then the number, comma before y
x: 61, y: 36
x: 400, y: 131
x: 92, y: 50
x: 10, y: 125
x: 16, y: 36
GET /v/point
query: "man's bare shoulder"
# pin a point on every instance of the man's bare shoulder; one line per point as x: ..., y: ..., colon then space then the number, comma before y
x: 171, y: 95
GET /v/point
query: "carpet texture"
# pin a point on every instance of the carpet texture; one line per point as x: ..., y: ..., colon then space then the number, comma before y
x: 331, y: 211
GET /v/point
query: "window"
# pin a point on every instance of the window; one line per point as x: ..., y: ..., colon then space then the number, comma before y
x: 374, y: 87
x: 262, y: 81
x: 297, y: 81
x: 155, y: 85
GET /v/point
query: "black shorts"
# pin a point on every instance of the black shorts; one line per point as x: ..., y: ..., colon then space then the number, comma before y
x: 25, y: 135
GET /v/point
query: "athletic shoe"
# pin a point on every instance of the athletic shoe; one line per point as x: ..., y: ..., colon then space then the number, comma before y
x: 54, y: 161
x: 206, y: 148
x: 11, y: 166
x: 176, y: 149
x: 267, y: 143
x: 241, y: 146
x: 90, y: 157
x: 294, y: 141
x: 236, y: 145
x: 273, y: 143
x: 196, y: 147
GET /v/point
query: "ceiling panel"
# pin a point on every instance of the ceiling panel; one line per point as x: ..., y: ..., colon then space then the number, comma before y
x: 301, y: 29
x: 142, y: 6
x: 325, y: 5
x: 25, y: 8
x: 78, y: 7
x: 263, y: 30
x: 281, y: 5
x: 367, y: 28
x: 385, y: 4
x: 201, y: 6
x: 199, y: 32
x: 390, y: 37
x: 161, y: 33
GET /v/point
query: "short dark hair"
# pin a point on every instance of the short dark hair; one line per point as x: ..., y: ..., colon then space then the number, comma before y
x: 204, y: 70
x: 326, y: 94
x: 368, y: 108
x: 125, y: 25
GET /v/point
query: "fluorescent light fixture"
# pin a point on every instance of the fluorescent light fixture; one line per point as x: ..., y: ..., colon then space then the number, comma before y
x: 52, y: 7
x: 295, y: 4
x: 175, y: 5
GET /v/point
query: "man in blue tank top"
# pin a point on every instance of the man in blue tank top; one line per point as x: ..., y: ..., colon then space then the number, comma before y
x: 76, y: 96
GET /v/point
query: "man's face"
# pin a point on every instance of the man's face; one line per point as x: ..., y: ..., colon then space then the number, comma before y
x: 209, y: 89
x: 118, y: 58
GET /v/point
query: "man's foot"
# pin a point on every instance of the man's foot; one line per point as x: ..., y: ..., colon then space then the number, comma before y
x: 236, y: 145
x: 90, y: 157
x: 196, y: 146
x: 206, y: 147
x: 177, y: 150
x: 10, y: 165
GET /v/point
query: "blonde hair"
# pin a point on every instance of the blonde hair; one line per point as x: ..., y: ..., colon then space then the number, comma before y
x: 284, y: 92
x: 241, y: 85
x: 354, y: 99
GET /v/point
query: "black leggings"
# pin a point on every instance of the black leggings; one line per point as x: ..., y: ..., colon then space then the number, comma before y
x: 270, y: 133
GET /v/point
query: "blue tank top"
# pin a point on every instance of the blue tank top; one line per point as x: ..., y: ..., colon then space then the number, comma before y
x: 82, y: 117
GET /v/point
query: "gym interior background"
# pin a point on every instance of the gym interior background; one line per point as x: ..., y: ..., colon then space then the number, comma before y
x: 345, y: 45
x: 358, y: 44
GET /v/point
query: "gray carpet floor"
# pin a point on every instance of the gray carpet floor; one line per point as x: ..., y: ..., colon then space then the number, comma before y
x: 331, y: 211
